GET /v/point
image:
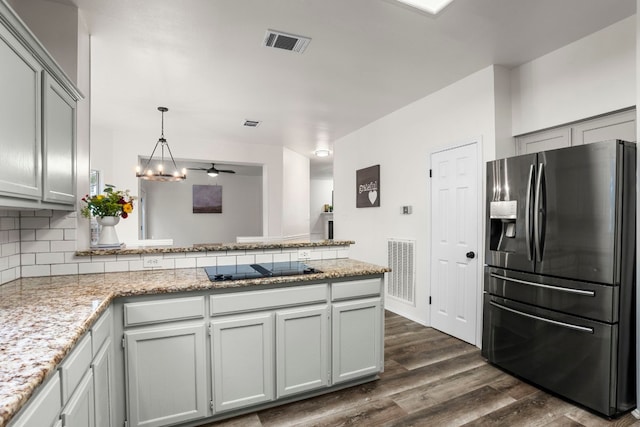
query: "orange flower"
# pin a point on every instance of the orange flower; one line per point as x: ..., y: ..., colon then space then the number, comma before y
x: 127, y: 207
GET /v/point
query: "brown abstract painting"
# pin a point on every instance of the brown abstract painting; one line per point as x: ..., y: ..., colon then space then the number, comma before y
x: 207, y: 199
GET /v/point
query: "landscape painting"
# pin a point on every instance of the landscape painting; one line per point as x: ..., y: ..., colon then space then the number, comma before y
x: 207, y: 199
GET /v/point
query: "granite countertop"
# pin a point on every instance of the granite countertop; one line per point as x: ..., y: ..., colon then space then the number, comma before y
x: 213, y: 247
x: 42, y: 318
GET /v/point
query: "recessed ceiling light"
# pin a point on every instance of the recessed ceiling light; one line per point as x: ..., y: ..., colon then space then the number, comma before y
x: 323, y: 152
x: 430, y: 6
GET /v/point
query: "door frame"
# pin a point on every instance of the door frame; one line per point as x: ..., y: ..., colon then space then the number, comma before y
x: 481, y: 177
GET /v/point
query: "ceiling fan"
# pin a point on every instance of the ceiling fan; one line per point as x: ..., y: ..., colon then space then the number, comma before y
x: 213, y: 171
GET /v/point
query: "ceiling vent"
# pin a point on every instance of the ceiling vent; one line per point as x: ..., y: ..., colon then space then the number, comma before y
x: 251, y: 123
x: 286, y: 41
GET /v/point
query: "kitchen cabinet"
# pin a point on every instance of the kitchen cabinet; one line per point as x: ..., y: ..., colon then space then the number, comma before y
x: 302, y: 349
x: 200, y: 357
x: 102, y: 369
x: 44, y: 408
x: 58, y: 143
x: 357, y: 324
x: 38, y: 122
x: 67, y: 398
x: 20, y: 109
x: 243, y: 364
x: 618, y: 125
x: 165, y: 362
x: 80, y: 407
x: 251, y: 359
x: 543, y: 141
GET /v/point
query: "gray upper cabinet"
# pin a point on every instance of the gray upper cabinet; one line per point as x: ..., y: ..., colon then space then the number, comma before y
x: 58, y: 143
x: 37, y: 122
x: 543, y: 141
x: 618, y: 125
x: 20, y: 107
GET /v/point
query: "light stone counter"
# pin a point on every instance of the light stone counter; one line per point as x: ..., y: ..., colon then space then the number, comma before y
x: 42, y: 318
x: 213, y: 247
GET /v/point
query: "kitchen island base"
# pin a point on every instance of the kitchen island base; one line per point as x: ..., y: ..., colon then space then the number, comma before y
x: 194, y: 357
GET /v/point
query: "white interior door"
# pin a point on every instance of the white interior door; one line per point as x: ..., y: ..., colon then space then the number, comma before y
x: 454, y: 243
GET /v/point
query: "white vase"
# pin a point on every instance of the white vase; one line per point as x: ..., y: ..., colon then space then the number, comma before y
x: 108, y: 235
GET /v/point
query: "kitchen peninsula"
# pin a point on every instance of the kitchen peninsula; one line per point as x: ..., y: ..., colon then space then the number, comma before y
x: 57, y: 332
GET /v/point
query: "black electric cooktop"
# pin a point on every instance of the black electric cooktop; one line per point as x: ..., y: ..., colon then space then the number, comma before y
x: 253, y: 271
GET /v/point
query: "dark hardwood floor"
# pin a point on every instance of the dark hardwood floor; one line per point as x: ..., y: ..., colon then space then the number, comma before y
x: 430, y: 379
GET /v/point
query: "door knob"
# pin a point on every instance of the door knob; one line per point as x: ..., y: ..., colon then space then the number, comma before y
x: 471, y: 255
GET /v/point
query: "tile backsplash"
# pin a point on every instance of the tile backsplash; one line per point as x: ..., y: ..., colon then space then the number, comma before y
x: 9, y: 245
x: 43, y: 243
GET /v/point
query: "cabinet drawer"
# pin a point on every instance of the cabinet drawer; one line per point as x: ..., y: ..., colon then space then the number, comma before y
x: 263, y: 300
x: 355, y: 289
x: 101, y: 331
x: 143, y: 313
x: 74, y: 366
x: 43, y: 409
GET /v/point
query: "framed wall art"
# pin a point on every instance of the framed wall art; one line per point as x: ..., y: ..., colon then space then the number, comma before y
x: 207, y: 199
x: 368, y: 187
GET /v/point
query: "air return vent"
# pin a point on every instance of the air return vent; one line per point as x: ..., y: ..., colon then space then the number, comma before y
x: 286, y: 41
x: 251, y: 123
x: 401, y: 283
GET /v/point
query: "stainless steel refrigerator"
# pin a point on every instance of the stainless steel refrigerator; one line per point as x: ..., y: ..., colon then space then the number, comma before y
x: 559, y: 285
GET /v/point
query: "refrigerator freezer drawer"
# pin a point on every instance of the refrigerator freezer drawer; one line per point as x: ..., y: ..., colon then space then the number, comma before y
x: 573, y: 357
x: 583, y: 299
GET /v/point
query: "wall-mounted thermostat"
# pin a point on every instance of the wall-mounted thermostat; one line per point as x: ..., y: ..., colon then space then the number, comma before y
x: 406, y: 210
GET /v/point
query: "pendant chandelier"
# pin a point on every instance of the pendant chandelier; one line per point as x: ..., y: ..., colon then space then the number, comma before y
x: 161, y: 173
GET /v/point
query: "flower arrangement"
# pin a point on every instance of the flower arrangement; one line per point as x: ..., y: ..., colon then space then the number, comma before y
x: 112, y: 203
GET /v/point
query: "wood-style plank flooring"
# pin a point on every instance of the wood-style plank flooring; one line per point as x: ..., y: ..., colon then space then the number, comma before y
x: 430, y: 379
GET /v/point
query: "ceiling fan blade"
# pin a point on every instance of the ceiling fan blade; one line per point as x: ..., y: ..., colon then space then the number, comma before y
x: 226, y: 170
x: 197, y: 169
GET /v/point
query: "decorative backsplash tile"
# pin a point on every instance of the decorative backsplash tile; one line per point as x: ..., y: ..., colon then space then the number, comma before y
x: 43, y: 243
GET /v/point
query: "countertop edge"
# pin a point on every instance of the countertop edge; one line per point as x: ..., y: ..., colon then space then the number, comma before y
x: 214, y: 247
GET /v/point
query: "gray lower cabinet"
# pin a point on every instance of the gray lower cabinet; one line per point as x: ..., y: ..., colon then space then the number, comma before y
x: 102, y: 368
x: 243, y: 363
x: 166, y: 376
x: 79, y: 411
x: 302, y: 349
x: 44, y: 408
x: 356, y: 339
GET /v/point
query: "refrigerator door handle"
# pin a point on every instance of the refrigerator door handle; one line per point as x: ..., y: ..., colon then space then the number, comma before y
x: 543, y: 319
x: 540, y: 285
x: 527, y: 213
x: 537, y: 225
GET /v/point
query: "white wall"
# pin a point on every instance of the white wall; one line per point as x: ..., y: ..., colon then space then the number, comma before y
x: 320, y: 195
x: 170, y: 211
x: 592, y: 76
x: 401, y: 143
x: 295, y: 194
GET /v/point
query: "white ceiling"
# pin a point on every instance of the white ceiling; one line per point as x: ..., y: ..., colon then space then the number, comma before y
x: 204, y: 60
